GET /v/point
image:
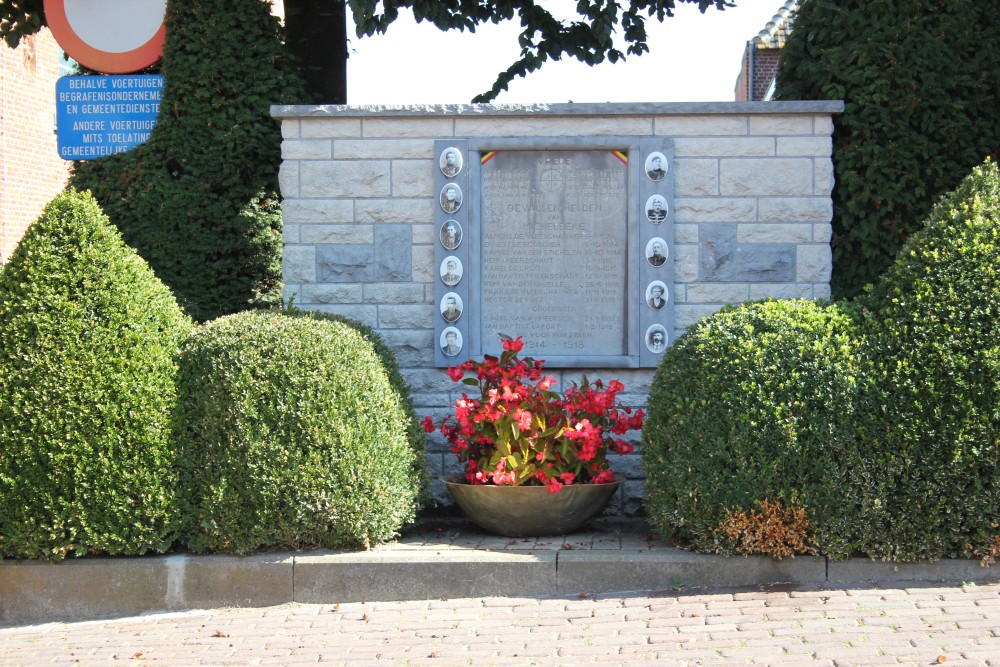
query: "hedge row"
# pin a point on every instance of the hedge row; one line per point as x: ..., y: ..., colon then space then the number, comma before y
x: 126, y: 429
x: 199, y: 200
x: 847, y: 428
x: 920, y: 82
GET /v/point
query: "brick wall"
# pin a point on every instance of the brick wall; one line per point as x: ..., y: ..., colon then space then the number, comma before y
x: 764, y: 67
x: 752, y: 209
x: 31, y: 172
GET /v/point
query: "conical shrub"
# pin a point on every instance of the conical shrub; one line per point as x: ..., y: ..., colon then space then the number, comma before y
x: 88, y: 344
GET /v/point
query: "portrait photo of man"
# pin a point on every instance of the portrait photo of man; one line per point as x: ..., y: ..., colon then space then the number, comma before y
x: 451, y: 162
x: 656, y: 209
x: 656, y: 252
x: 656, y: 339
x: 451, y: 271
x: 451, y: 234
x: 451, y: 198
x: 451, y: 307
x: 656, y: 166
x: 451, y: 341
x: 656, y: 295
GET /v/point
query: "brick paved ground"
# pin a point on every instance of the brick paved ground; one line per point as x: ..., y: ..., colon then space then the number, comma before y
x: 874, y: 626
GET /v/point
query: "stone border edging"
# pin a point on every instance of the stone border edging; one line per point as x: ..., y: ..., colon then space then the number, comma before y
x: 33, y: 591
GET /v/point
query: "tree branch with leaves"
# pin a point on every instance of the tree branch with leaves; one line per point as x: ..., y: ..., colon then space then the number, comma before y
x: 593, y: 32
x: 589, y: 36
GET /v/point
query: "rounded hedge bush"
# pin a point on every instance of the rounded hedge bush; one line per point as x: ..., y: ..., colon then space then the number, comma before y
x: 88, y: 344
x: 750, y: 430
x: 931, y: 414
x: 292, y: 436
x: 415, y: 433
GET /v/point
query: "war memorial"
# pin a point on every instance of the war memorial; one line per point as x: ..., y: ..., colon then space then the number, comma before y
x: 598, y: 232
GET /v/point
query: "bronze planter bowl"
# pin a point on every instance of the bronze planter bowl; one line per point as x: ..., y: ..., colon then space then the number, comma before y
x: 530, y: 511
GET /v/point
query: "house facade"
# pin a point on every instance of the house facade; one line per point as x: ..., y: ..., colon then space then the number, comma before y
x: 31, y: 171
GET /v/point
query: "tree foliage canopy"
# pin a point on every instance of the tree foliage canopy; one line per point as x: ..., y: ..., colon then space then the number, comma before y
x: 20, y: 18
x: 595, y: 31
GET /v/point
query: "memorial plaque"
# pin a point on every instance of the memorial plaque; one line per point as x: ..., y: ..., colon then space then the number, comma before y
x: 554, y: 262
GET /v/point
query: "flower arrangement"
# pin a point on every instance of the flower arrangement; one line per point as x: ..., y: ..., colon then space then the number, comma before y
x: 518, y: 431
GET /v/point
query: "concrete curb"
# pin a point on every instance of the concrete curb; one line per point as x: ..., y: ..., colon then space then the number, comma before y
x: 32, y: 591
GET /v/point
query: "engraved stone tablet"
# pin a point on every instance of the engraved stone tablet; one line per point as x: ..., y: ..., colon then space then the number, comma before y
x: 554, y: 251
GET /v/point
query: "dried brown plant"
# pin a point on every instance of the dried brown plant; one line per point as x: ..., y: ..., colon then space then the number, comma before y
x: 776, y: 530
x: 992, y: 553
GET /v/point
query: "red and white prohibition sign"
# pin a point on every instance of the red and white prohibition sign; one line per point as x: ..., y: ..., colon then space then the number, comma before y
x: 109, y: 36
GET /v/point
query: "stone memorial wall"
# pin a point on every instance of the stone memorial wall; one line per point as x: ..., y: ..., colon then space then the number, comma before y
x: 599, y: 233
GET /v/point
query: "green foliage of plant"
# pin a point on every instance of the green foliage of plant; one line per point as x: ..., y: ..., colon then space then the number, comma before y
x: 88, y: 339
x: 292, y: 436
x: 881, y: 418
x: 199, y: 200
x: 754, y: 403
x: 415, y: 433
x: 920, y: 80
x: 930, y: 483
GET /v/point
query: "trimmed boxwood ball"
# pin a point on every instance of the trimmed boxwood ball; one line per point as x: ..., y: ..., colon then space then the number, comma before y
x: 750, y: 419
x: 416, y: 435
x: 88, y: 344
x: 292, y: 436
x: 931, y: 426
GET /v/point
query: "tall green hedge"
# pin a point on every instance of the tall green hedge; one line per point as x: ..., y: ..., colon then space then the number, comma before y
x: 199, y: 200
x: 920, y: 80
x: 88, y: 340
x: 292, y: 436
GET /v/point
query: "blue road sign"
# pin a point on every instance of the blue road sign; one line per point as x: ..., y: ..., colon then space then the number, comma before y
x: 104, y: 115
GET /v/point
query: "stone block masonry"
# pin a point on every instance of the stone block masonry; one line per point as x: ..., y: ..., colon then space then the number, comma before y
x: 751, y: 203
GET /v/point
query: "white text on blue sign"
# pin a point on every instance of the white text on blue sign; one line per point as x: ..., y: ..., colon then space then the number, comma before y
x: 104, y: 115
